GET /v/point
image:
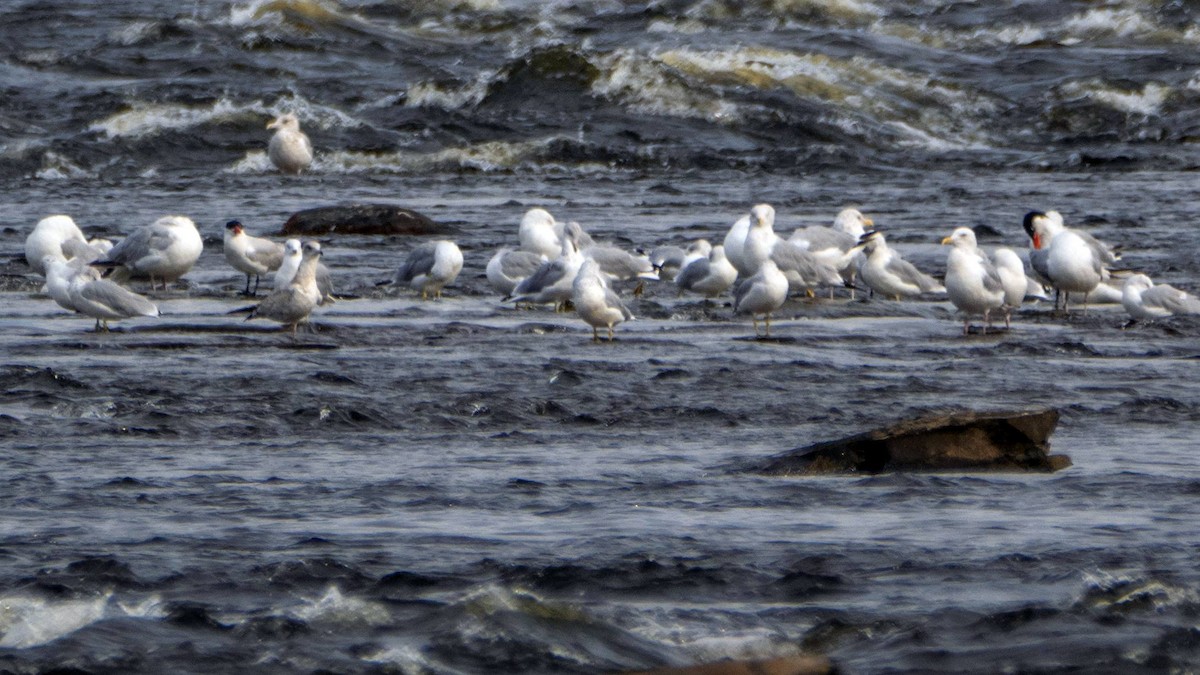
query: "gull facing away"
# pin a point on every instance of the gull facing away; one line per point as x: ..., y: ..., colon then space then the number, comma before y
x: 835, y: 245
x: 294, y: 303
x: 762, y: 294
x: 1011, y: 271
x: 972, y: 283
x: 734, y: 241
x: 1146, y: 300
x: 289, y: 149
x: 48, y: 238
x: 890, y: 275
x: 292, y: 257
x: 105, y: 300
x: 553, y: 281
x: 164, y: 250
x: 252, y: 256
x: 595, y: 302
x: 430, y: 267
x: 539, y: 234
x: 710, y: 276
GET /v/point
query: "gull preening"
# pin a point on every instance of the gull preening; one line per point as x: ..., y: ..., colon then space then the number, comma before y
x: 252, y: 256
x: 1146, y: 300
x: 890, y: 275
x: 61, y: 239
x: 430, y: 267
x: 554, y: 280
x: 164, y: 251
x: 595, y: 302
x: 709, y: 276
x: 293, y: 304
x: 509, y: 267
x: 972, y: 283
x: 539, y: 233
x: 289, y: 149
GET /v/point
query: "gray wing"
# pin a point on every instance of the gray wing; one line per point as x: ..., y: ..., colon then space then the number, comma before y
x: 693, y: 273
x: 820, y: 238
x: 547, y: 275
x: 1100, y: 250
x: 1171, y: 299
x: 742, y: 290
x: 618, y: 263
x: 265, y: 252
x: 118, y: 298
x: 911, y: 275
x: 324, y: 283
x: 667, y: 256
x: 420, y: 261
x: 791, y: 258
x: 1039, y: 262
x: 520, y: 264
x: 136, y: 246
x: 991, y: 277
x: 613, y: 300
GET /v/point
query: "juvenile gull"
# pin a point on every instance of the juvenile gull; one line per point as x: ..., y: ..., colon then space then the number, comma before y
x: 509, y: 267
x: 972, y: 282
x: 1146, y: 300
x: 292, y: 257
x: 289, y: 149
x: 430, y: 267
x: 890, y: 275
x: 762, y: 293
x: 595, y: 302
x: 709, y: 276
x: 252, y: 256
x: 166, y: 249
x: 294, y: 303
x: 105, y: 300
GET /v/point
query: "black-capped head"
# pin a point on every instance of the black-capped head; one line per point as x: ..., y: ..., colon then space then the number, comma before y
x: 233, y: 225
x: 1027, y: 223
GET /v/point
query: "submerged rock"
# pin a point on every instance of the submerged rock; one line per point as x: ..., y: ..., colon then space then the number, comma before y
x: 963, y: 441
x: 361, y: 219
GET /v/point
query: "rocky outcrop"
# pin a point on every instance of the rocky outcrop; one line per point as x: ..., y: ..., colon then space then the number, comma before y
x: 788, y: 665
x: 361, y: 219
x: 963, y: 441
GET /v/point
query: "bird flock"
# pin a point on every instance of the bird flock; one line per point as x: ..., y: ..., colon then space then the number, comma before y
x: 560, y: 264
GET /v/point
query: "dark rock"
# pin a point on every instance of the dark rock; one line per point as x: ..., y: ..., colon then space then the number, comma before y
x: 361, y: 219
x: 963, y: 441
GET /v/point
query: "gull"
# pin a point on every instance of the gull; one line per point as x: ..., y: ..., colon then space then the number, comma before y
x: 709, y: 276
x: 1074, y: 261
x: 59, y: 274
x: 802, y: 269
x: 292, y: 256
x: 595, y: 302
x: 735, y: 240
x: 762, y: 293
x: 1016, y: 285
x: 538, y: 234
x: 972, y: 283
x: 554, y: 279
x: 430, y: 267
x: 166, y: 249
x: 668, y: 261
x: 1146, y: 300
x: 253, y: 256
x: 890, y: 275
x: 834, y: 245
x: 294, y: 303
x: 509, y: 267
x: 48, y: 238
x: 289, y: 149
x: 105, y: 300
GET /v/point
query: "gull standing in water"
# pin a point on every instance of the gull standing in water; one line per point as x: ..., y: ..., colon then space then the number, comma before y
x: 509, y: 267
x: 105, y: 300
x: 762, y: 293
x: 886, y: 273
x: 1146, y: 300
x: 48, y: 238
x: 292, y: 257
x: 553, y: 281
x: 252, y: 256
x: 164, y: 250
x: 595, y: 302
x: 1011, y: 271
x: 835, y: 245
x: 430, y: 267
x: 539, y: 234
x: 709, y: 276
x: 971, y: 280
x: 294, y: 303
x: 802, y: 269
x: 289, y: 149
x: 669, y: 261
x: 1073, y: 260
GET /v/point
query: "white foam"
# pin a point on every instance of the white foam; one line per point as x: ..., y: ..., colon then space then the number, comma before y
x: 434, y: 95
x: 1146, y: 101
x: 642, y: 84
x: 333, y: 607
x: 29, y: 621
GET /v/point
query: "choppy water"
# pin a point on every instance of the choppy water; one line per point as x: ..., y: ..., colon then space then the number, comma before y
x: 460, y: 487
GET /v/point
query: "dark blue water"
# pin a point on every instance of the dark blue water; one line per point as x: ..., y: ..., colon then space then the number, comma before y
x: 462, y: 487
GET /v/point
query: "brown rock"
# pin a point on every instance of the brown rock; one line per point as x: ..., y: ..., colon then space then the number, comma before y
x: 788, y: 665
x: 361, y: 219
x: 964, y: 441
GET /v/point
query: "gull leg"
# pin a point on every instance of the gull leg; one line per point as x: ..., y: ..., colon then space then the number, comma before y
x: 641, y: 288
x: 966, y: 325
x: 755, y: 320
x: 610, y: 332
x: 595, y: 335
x: 767, y: 319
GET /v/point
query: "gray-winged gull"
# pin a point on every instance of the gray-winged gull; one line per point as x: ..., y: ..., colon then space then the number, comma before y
x: 762, y: 294
x: 595, y: 302
x: 430, y: 267
x: 105, y: 300
x: 887, y: 273
x: 972, y: 282
x: 1146, y: 300
x: 164, y: 250
x: 709, y: 276
x: 509, y: 267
